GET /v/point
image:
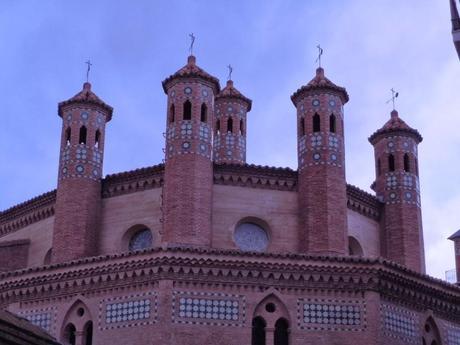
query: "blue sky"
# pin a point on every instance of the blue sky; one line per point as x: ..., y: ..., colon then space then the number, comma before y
x: 370, y: 47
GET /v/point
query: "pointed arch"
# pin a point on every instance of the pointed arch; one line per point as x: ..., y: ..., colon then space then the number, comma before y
x: 218, y: 126
x: 241, y: 127
x: 172, y: 113
x: 76, y: 320
x: 230, y: 125
x: 379, y: 167
x: 83, y: 134
x: 416, y: 166
x: 204, y: 113
x: 302, y: 126
x: 406, y: 163
x: 187, y: 114
x: 332, y: 123
x: 316, y: 123
x: 431, y: 333
x: 68, y: 135
x: 391, y: 162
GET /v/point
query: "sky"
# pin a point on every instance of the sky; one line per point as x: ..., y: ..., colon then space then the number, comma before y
x: 369, y: 48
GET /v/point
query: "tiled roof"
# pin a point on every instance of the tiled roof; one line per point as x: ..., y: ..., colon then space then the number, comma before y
x: 321, y: 83
x: 191, y: 70
x: 89, y: 97
x: 395, y: 125
x: 230, y: 91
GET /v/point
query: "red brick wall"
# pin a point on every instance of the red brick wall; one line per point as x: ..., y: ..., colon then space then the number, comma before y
x: 322, y: 185
x: 14, y: 255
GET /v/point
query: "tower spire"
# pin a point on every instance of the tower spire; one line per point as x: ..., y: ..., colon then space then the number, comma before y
x: 455, y: 17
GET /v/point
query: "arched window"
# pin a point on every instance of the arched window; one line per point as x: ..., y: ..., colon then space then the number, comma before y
x: 142, y: 239
x: 258, y: 331
x: 332, y: 123
x: 172, y: 113
x: 187, y: 110
x: 97, y: 138
x: 230, y: 125
x: 416, y: 166
x: 88, y: 333
x: 82, y: 137
x: 241, y: 127
x: 431, y: 334
x: 204, y: 113
x: 281, y: 332
x: 391, y: 162
x: 316, y: 123
x: 354, y: 248
x: 70, y: 334
x: 302, y: 126
x: 217, y: 126
x: 251, y: 236
x: 68, y: 133
x: 47, y: 259
x: 379, y: 167
x: 406, y: 163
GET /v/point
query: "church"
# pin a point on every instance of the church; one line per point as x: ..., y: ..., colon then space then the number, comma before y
x: 205, y: 248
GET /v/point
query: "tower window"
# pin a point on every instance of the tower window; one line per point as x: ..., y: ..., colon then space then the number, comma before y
x: 82, y: 137
x: 88, y: 333
x: 379, y: 167
x: 187, y: 110
x: 70, y: 334
x: 281, y: 332
x: 332, y: 124
x: 230, y: 125
x: 241, y: 127
x: 204, y: 113
x: 141, y: 240
x: 416, y: 166
x: 258, y: 331
x: 217, y: 126
x: 97, y: 138
x: 316, y: 123
x: 302, y: 127
x: 68, y: 133
x: 406, y: 163
x: 172, y: 113
x: 391, y: 162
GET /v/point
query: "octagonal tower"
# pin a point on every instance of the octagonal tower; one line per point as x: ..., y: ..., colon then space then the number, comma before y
x: 188, y: 178
x: 230, y: 125
x: 455, y: 18
x: 78, y: 200
x: 397, y: 186
x: 321, y: 165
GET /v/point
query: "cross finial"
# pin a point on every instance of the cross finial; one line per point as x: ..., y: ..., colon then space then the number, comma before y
x: 320, y: 52
x: 394, y: 95
x: 192, y: 38
x: 230, y: 71
x: 88, y: 69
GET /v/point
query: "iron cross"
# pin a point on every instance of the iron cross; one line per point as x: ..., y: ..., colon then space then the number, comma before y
x: 230, y: 70
x: 88, y: 69
x: 320, y: 52
x: 192, y: 38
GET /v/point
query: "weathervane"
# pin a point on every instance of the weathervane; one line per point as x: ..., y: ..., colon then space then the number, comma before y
x: 320, y: 52
x: 230, y: 70
x: 88, y: 69
x: 192, y: 38
x: 394, y: 95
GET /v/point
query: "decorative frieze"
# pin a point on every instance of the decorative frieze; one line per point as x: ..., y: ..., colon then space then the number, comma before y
x: 331, y: 314
x: 207, y: 308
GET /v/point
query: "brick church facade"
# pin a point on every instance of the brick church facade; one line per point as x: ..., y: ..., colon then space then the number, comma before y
x: 207, y: 249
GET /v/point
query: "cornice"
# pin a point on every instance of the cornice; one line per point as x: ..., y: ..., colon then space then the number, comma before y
x: 232, y: 267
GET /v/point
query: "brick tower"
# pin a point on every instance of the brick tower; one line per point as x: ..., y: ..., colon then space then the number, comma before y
x: 230, y: 125
x: 79, y: 179
x: 397, y: 185
x: 187, y: 193
x: 321, y: 160
x: 455, y: 25
x: 456, y: 239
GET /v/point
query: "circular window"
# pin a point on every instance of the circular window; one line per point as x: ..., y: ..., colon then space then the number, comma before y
x: 80, y: 312
x: 251, y: 237
x: 141, y: 240
x: 270, y: 307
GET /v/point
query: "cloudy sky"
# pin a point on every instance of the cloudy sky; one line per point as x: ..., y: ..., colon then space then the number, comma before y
x: 370, y: 47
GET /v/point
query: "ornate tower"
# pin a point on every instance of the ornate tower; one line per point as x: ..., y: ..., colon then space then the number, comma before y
x: 187, y: 193
x: 321, y: 160
x: 455, y: 25
x: 79, y: 179
x: 397, y: 186
x: 456, y: 239
x: 230, y: 125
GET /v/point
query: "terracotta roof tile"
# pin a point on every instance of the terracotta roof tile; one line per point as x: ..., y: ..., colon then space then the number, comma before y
x: 394, y: 125
x: 230, y: 91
